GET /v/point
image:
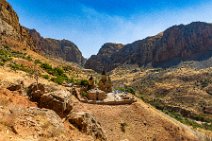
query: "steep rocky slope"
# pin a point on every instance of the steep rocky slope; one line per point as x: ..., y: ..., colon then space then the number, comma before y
x: 11, y: 31
x: 174, y: 45
x: 138, y: 121
x: 57, y: 48
x: 15, y: 35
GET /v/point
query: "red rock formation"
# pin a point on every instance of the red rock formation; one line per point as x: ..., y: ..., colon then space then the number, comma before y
x: 174, y: 45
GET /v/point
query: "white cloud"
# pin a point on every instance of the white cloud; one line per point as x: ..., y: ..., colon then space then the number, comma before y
x: 91, y: 30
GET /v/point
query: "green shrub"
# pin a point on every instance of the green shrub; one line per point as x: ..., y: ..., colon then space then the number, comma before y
x: 84, y: 94
x: 58, y: 71
x: 37, y: 61
x: 4, y: 56
x: 126, y: 89
x: 14, y: 66
x: 46, y: 66
x: 84, y: 83
x: 59, y: 79
x: 45, y: 76
x: 188, y: 121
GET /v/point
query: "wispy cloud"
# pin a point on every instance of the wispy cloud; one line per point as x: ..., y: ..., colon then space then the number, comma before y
x: 90, y: 28
x: 105, y: 28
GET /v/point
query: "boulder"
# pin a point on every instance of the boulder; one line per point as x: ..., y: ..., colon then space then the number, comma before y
x: 208, y: 110
x: 31, y: 124
x: 59, y: 101
x: 209, y: 89
x: 35, y: 91
x: 16, y: 87
x: 87, y: 124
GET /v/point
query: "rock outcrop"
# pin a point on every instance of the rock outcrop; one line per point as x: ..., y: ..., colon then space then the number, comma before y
x: 87, y: 124
x: 102, y: 61
x: 15, y: 35
x: 10, y: 28
x: 176, y: 44
x: 19, y: 123
x: 57, y: 48
x: 58, y: 100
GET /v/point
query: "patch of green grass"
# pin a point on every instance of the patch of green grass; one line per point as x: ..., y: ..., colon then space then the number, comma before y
x: 84, y: 94
x: 59, y: 79
x: 46, y: 66
x: 7, y: 53
x: 157, y: 103
x: 37, y: 61
x: 84, y: 82
x: 14, y: 66
x: 45, y: 76
x: 4, y: 56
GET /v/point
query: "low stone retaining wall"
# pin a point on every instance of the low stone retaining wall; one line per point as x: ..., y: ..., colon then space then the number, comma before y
x: 124, y: 102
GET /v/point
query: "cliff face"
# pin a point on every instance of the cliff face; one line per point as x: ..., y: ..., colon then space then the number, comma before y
x: 102, y: 61
x: 14, y: 35
x: 10, y: 29
x: 57, y: 48
x: 174, y: 45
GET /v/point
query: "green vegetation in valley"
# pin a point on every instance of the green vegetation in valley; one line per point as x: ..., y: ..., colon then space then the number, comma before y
x: 126, y: 89
x: 194, y: 124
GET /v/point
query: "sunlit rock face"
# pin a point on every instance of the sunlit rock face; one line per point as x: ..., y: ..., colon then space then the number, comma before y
x: 174, y: 45
x: 102, y: 61
x: 10, y: 29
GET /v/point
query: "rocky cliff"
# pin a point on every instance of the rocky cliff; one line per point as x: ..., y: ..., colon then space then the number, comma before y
x: 102, y: 61
x: 10, y: 30
x: 175, y: 45
x: 57, y: 48
x: 15, y: 35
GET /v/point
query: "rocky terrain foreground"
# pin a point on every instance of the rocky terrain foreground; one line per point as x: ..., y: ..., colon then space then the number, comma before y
x: 21, y: 119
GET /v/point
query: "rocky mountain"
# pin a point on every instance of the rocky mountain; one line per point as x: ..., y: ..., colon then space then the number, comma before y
x: 15, y: 35
x: 169, y: 48
x: 103, y: 59
x: 64, y: 49
x: 11, y: 31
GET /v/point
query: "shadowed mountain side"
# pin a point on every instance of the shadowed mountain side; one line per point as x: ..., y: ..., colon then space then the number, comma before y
x: 64, y: 49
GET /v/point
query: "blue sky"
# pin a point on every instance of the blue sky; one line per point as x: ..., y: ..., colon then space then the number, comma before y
x: 91, y: 23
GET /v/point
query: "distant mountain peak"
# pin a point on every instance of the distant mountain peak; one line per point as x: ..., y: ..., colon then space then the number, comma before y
x: 176, y: 44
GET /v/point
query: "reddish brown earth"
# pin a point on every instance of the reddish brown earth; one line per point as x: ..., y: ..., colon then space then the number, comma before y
x: 143, y: 123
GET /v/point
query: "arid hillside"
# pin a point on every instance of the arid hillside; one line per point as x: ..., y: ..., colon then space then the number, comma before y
x: 183, y: 93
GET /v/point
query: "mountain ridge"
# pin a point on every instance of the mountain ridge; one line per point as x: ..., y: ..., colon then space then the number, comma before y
x: 13, y: 34
x: 166, y: 49
x: 64, y: 49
